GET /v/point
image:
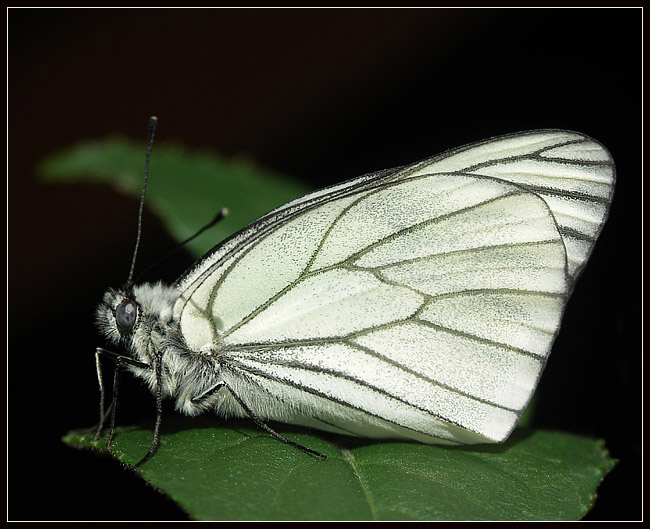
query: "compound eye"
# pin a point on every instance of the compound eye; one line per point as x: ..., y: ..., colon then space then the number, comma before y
x: 125, y: 315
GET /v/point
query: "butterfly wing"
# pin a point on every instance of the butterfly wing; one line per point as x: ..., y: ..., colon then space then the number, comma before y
x: 420, y: 302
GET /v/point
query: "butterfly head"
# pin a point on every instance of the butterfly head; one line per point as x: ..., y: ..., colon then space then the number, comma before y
x: 137, y: 316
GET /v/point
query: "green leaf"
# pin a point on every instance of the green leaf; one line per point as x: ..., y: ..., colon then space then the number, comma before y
x: 186, y: 189
x: 236, y: 472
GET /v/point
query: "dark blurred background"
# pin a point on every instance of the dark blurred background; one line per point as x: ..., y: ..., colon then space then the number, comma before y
x: 321, y: 95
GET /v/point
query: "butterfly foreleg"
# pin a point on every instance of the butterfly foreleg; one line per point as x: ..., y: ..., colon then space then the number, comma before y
x: 119, y: 361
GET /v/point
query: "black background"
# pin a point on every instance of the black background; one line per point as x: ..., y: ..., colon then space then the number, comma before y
x: 322, y: 95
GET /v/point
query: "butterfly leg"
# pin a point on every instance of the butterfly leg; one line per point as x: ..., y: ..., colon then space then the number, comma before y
x: 119, y: 360
x: 156, y: 429
x: 256, y: 419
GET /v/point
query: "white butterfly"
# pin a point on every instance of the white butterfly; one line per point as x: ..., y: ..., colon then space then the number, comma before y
x: 419, y: 302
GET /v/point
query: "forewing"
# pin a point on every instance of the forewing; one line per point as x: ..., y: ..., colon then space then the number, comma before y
x: 421, y: 302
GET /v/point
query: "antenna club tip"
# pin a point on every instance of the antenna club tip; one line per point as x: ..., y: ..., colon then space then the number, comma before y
x: 224, y: 212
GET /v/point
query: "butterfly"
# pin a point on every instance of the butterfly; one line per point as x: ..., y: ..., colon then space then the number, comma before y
x: 419, y: 302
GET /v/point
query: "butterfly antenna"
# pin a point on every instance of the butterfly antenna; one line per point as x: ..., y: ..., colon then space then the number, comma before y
x: 153, y: 120
x: 222, y: 214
